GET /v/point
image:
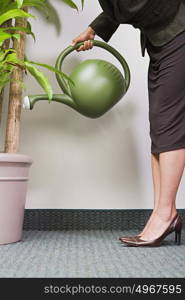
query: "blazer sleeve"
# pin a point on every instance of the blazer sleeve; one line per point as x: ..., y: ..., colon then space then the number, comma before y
x: 104, y: 26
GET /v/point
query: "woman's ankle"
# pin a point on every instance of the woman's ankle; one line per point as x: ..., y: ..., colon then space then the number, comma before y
x: 165, y: 214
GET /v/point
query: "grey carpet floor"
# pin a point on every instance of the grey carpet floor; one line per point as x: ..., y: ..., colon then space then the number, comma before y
x: 89, y: 254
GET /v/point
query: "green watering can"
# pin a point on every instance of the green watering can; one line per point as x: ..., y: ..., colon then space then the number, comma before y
x: 98, y: 84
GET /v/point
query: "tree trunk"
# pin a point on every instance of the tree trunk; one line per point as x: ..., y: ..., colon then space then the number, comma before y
x: 5, y: 46
x: 1, y: 105
x: 15, y: 95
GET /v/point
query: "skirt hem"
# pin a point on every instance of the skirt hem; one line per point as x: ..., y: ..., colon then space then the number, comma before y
x: 167, y: 149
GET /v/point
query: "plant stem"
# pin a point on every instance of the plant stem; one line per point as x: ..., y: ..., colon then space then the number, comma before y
x: 15, y: 95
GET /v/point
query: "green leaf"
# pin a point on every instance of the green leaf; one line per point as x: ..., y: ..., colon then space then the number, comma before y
x: 16, y: 35
x: 14, y: 13
x: 4, y: 79
x: 53, y: 69
x: 29, y: 28
x: 22, y: 29
x: 4, y: 4
x: 12, y: 58
x: 82, y: 1
x: 4, y: 36
x: 4, y: 53
x: 8, y: 62
x: 41, y: 79
x: 40, y: 5
x: 71, y: 4
x: 19, y: 3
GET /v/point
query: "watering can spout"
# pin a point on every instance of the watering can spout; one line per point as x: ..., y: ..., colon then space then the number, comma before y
x: 29, y: 101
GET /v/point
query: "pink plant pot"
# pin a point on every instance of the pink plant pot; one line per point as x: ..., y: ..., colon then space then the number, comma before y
x: 14, y: 170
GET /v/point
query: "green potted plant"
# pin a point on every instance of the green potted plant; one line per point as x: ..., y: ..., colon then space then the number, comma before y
x: 14, y: 166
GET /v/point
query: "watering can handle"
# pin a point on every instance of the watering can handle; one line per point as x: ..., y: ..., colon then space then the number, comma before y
x: 62, y: 83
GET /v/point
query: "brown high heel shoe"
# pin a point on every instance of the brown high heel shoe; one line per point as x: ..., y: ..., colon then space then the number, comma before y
x: 175, y: 226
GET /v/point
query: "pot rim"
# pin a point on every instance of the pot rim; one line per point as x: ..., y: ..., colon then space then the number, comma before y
x: 15, y: 157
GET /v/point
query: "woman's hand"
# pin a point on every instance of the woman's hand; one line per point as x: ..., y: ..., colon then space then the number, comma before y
x: 86, y: 36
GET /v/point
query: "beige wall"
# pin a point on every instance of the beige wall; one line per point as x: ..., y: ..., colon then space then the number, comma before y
x: 81, y: 162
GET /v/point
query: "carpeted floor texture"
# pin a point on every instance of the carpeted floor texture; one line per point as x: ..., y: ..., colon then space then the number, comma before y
x: 90, y: 254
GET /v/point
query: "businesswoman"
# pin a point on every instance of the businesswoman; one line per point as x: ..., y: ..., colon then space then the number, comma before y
x: 162, y: 29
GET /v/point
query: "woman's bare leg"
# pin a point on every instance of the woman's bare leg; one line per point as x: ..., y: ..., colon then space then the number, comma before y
x: 172, y: 165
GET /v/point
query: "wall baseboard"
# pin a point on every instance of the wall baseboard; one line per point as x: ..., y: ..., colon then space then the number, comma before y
x: 87, y: 219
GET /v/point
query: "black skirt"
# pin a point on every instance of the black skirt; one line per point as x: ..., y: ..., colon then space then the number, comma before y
x: 166, y: 92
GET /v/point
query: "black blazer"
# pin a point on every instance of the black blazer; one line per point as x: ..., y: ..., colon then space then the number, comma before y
x: 147, y: 15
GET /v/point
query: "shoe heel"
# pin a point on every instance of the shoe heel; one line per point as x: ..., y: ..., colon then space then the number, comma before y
x: 178, y: 237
